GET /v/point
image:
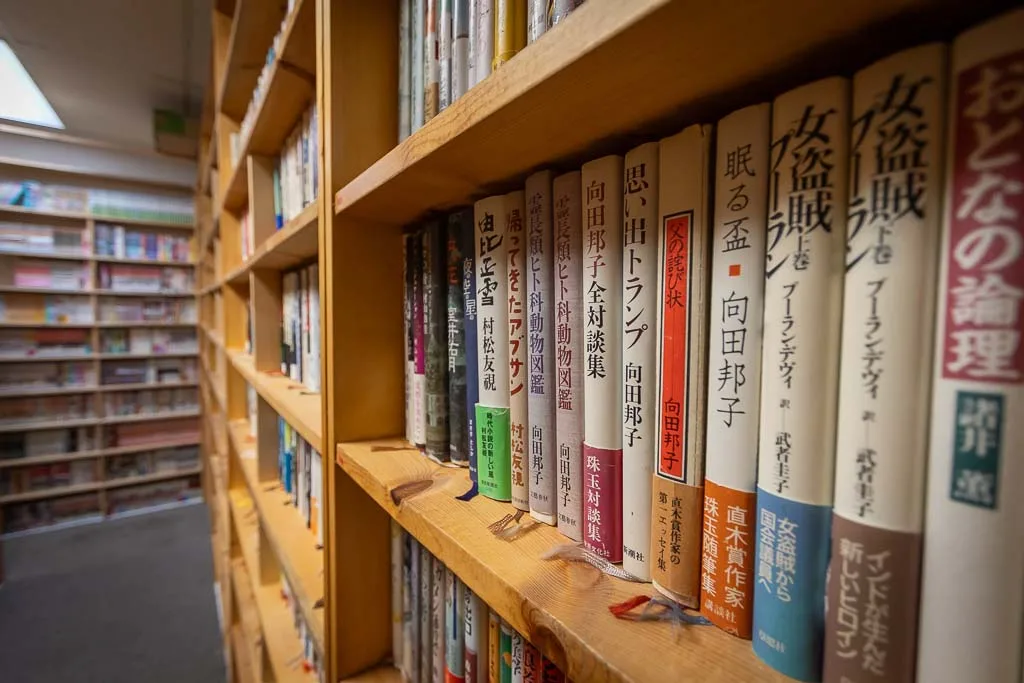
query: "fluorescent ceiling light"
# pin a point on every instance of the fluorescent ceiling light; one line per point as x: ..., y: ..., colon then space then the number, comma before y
x: 22, y: 100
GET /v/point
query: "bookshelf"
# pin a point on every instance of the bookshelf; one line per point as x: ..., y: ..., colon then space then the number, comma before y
x: 98, y: 385
x: 556, y: 105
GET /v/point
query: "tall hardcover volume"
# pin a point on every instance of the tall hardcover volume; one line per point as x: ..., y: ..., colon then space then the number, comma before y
x: 460, y: 49
x: 482, y: 42
x: 475, y: 638
x: 460, y: 224
x: 426, y: 614
x: 419, y: 384
x: 602, y: 361
x: 509, y: 29
x: 974, y: 520
x: 518, y: 355
x: 884, y: 370
x: 469, y: 329
x: 454, y: 628
x: 492, y: 410
x: 444, y: 49
x: 802, y: 307
x: 639, y: 353
x: 404, y: 68
x: 733, y: 408
x: 678, y: 483
x: 431, y: 64
x: 540, y: 326
x: 435, y: 298
x: 418, y: 52
x: 568, y: 298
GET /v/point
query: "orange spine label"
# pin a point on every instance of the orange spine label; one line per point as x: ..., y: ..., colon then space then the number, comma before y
x: 727, y: 562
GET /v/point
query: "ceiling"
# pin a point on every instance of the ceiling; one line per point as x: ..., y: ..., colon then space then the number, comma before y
x: 105, y: 65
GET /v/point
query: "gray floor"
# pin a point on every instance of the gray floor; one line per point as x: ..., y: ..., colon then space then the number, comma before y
x: 125, y: 601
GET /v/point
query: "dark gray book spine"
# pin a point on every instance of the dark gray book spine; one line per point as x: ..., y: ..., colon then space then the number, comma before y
x: 458, y: 223
x: 435, y: 300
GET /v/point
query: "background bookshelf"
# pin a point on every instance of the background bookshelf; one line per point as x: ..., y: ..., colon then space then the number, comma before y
x: 99, y: 402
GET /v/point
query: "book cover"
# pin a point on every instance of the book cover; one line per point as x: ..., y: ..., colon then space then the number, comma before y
x: 426, y: 649
x: 509, y: 29
x: 475, y: 638
x: 435, y: 317
x: 733, y: 406
x: 431, y: 64
x: 483, y: 43
x: 518, y: 353
x: 459, y: 224
x: 437, y: 620
x: 973, y: 512
x: 419, y: 384
x: 602, y: 362
x: 505, y: 653
x: 418, y: 66
x: 536, y: 19
x: 470, y: 336
x: 492, y: 411
x: 460, y: 49
x: 639, y: 353
x: 892, y: 239
x: 568, y: 296
x: 678, y: 481
x: 803, y: 294
x: 454, y: 628
x: 444, y: 50
x: 541, y: 343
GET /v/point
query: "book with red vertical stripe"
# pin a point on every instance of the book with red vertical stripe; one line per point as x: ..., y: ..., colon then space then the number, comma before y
x: 678, y: 482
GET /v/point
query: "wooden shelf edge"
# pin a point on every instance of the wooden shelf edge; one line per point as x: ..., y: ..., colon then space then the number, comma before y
x: 152, y: 417
x: 278, y: 247
x: 290, y: 399
x: 86, y: 216
x: 96, y: 453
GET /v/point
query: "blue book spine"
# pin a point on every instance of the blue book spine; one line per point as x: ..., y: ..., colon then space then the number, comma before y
x: 470, y: 336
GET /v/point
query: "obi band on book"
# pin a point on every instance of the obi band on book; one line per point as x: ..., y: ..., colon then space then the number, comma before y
x: 494, y: 463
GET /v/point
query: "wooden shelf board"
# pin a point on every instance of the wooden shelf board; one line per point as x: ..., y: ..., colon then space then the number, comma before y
x: 539, y: 109
x: 293, y: 244
x: 279, y: 636
x: 151, y: 478
x: 141, y: 324
x: 290, y: 399
x: 142, y: 261
x: 144, y: 386
x: 241, y: 655
x: 48, y: 391
x: 561, y: 608
x: 252, y: 32
x: 136, y: 356
x: 85, y: 216
x: 249, y: 617
x: 96, y: 453
x: 54, y: 492
x: 47, y: 358
x: 49, y: 424
x: 176, y: 295
x: 12, y: 289
x: 291, y: 541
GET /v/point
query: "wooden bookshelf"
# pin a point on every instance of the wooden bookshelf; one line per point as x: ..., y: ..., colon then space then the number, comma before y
x: 99, y: 218
x: 95, y: 453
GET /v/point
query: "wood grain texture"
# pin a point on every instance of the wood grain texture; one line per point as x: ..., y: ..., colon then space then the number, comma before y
x: 561, y: 608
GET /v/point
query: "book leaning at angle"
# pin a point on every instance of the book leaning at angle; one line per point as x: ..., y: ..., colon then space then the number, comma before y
x: 803, y: 295
x: 492, y: 410
x: 602, y: 361
x: 734, y: 368
x: 568, y: 386
x: 974, y: 520
x: 677, y: 494
x: 541, y: 345
x: 639, y: 353
x: 518, y: 355
x: 884, y: 372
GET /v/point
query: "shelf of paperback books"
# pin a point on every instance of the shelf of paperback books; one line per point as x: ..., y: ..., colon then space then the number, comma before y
x: 56, y: 492
x: 184, y: 224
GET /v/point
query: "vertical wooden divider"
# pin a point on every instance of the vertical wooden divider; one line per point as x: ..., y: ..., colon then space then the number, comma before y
x: 265, y: 309
x: 261, y: 198
x: 267, y: 442
x: 357, y: 85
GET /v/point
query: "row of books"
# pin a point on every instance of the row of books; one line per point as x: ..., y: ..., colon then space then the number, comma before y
x: 300, y: 329
x: 312, y: 661
x: 145, y: 279
x: 153, y: 462
x: 300, y: 471
x: 148, y: 341
x: 123, y: 499
x: 45, y: 343
x: 298, y: 170
x: 133, y: 434
x: 36, y: 514
x: 17, y: 445
x: 32, y: 238
x: 713, y: 362
x: 32, y: 272
x: 38, y: 376
x: 41, y: 477
x: 151, y: 402
x: 149, y: 371
x: 442, y: 631
x: 448, y: 46
x: 98, y: 202
x: 147, y: 310
x: 29, y: 410
x: 120, y: 242
x: 45, y: 309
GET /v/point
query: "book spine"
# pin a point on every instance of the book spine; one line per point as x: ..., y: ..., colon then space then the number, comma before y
x: 560, y: 9
x: 438, y: 601
x: 483, y: 46
x: 509, y: 29
x: 314, y: 327
x: 468, y: 240
x: 568, y: 296
x: 518, y: 353
x: 418, y: 50
x: 445, y: 38
x: 492, y: 411
x: 678, y: 483
x: 435, y: 262
x: 411, y: 641
x: 540, y: 326
x: 733, y: 407
x: 505, y: 653
x: 471, y: 43
x: 455, y: 629
x: 475, y: 638
x: 532, y: 665
x: 397, y: 581
x: 493, y: 646
x: 410, y: 344
x: 974, y: 515
x: 419, y: 385
x: 639, y: 353
x: 884, y: 374
x: 404, y: 69
x: 550, y: 672
x: 517, y: 658
x: 602, y: 378
x: 460, y: 49
x: 536, y: 19
x: 458, y: 434
x: 426, y: 651
x: 431, y: 65
x: 802, y: 315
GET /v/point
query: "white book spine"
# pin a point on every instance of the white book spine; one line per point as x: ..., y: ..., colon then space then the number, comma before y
x: 804, y: 271
x: 639, y: 353
x: 602, y: 376
x: 483, y: 46
x: 437, y: 620
x: 471, y: 48
x: 404, y: 68
x: 517, y: 657
x: 460, y: 49
x: 568, y: 298
x: 974, y: 519
x: 540, y: 325
x: 734, y: 369
x: 418, y: 36
x: 536, y: 19
x: 445, y: 39
x: 516, y: 239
